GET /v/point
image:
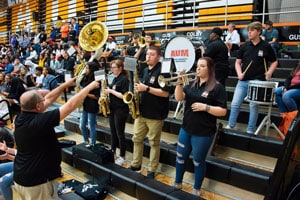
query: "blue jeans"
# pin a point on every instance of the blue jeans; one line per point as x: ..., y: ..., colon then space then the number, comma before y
x: 198, y: 146
x: 91, y: 118
x: 240, y: 93
x: 287, y: 101
x: 6, y: 181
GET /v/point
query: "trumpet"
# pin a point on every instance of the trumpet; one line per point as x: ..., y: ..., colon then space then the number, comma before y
x: 180, y: 79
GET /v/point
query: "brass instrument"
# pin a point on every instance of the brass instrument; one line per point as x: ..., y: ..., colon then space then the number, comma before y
x: 79, y: 72
x: 162, y: 81
x: 93, y: 36
x: 141, y: 42
x: 133, y: 99
x: 104, y: 101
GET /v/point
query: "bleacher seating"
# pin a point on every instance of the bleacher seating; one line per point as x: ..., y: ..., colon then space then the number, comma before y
x: 227, y: 171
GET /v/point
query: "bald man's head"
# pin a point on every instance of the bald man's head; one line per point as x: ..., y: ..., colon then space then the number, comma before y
x: 30, y: 99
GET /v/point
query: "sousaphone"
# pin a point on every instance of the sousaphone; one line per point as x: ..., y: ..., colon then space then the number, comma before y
x: 93, y: 36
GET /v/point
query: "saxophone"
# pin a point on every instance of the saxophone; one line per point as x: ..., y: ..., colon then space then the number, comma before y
x: 133, y: 99
x: 104, y: 101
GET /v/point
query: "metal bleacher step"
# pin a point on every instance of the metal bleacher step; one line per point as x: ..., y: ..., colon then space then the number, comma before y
x: 211, y: 190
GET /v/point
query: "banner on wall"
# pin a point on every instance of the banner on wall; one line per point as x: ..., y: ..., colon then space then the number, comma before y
x: 12, y: 2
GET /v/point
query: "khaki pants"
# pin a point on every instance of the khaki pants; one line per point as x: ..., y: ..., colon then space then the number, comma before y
x: 143, y: 127
x: 45, y: 191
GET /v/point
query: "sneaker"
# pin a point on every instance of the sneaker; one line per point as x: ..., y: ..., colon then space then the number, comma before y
x: 136, y: 169
x: 196, y: 192
x: 151, y: 175
x: 250, y: 132
x: 178, y: 186
x: 119, y: 161
x: 229, y: 127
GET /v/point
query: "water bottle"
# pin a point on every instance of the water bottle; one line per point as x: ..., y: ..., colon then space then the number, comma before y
x: 298, y: 47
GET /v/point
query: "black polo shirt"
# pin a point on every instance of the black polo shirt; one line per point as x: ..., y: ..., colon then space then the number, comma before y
x: 257, y: 54
x: 39, y: 157
x: 120, y: 84
x: 217, y: 50
x: 151, y: 106
x: 202, y: 123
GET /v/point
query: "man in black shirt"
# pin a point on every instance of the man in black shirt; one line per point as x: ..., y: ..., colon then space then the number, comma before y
x: 217, y: 50
x: 37, y: 163
x: 154, y: 109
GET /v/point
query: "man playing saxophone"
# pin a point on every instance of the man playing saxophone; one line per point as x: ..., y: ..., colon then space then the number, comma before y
x: 90, y: 105
x: 119, y: 110
x: 154, y: 107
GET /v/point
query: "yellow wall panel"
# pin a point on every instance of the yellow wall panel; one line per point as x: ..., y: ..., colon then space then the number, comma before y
x: 231, y: 9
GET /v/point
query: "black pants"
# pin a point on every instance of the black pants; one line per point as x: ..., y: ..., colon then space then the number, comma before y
x: 117, y: 121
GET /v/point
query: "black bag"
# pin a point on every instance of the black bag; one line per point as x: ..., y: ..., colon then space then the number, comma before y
x: 91, y: 191
x: 98, y: 153
x: 63, y: 143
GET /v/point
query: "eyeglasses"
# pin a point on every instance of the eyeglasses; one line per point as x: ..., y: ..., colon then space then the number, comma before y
x: 114, y: 67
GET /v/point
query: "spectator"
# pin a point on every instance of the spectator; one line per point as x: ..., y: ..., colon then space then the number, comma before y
x: 17, y: 65
x: 217, y: 50
x: 7, y: 85
x: 39, y: 76
x: 72, y: 34
x: 288, y: 96
x: 9, y: 65
x: 232, y: 40
x: 271, y: 35
x: 36, y: 41
x: 33, y: 55
x: 64, y: 31
x: 26, y: 77
x: 6, y: 168
x: 48, y: 77
x: 111, y: 46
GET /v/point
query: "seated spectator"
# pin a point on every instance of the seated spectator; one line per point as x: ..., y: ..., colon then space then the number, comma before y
x: 48, y: 77
x: 2, y: 81
x: 30, y: 66
x: 9, y: 65
x: 33, y: 55
x: 232, y: 39
x: 26, y: 77
x: 6, y: 168
x: 16, y: 90
x: 110, y: 51
x: 39, y: 76
x: 271, y: 35
x: 17, y: 65
x: 25, y: 55
x: 288, y: 96
x: 7, y: 85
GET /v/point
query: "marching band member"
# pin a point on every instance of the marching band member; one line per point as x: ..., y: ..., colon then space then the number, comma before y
x: 205, y: 101
x: 119, y: 111
x: 90, y: 105
x: 251, y: 65
x: 150, y: 121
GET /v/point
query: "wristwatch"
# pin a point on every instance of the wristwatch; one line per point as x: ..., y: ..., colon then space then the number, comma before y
x: 148, y: 89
